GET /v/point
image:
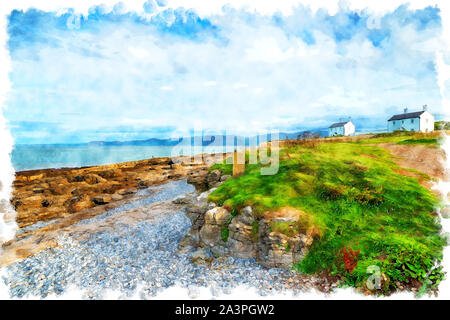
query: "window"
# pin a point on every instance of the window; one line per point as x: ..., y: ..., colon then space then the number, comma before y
x: 403, y: 121
x: 412, y: 120
x: 394, y: 123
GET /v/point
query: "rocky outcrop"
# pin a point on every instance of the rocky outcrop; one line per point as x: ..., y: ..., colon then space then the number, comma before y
x: 42, y: 195
x: 243, y: 235
x: 279, y: 250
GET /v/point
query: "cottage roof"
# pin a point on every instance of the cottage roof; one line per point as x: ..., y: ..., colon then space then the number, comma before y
x: 408, y: 115
x: 338, y: 124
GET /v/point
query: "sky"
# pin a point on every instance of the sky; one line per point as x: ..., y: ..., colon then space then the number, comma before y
x: 161, y: 71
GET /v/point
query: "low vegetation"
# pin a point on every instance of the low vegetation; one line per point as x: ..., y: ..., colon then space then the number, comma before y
x: 365, y: 213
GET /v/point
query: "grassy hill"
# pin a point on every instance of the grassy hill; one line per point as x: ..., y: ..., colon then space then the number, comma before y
x: 360, y: 205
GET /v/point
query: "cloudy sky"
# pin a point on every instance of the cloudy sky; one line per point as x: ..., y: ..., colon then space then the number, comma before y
x: 116, y: 74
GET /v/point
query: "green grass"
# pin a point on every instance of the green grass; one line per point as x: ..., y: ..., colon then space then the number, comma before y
x: 353, y: 196
x: 432, y: 139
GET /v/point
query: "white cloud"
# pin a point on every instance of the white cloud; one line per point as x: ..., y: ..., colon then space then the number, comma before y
x: 261, y: 73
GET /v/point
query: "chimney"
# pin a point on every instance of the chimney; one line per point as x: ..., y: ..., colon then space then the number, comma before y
x: 405, y: 110
x: 424, y: 107
x: 349, y: 119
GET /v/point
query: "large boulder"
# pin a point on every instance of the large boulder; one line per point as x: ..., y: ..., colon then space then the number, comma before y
x: 198, y: 180
x: 242, y: 235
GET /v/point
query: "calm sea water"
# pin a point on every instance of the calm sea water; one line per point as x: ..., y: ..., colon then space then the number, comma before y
x: 27, y: 157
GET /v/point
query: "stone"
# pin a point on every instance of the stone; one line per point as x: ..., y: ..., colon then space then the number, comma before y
x: 213, y: 177
x: 199, y: 256
x: 116, y: 197
x: 143, y: 185
x: 217, y: 216
x: 211, y: 235
x: 38, y: 190
x: 277, y: 250
x: 94, y: 179
x: 185, y: 199
x: 45, y: 203
x: 124, y: 192
x: 198, y: 180
x: 190, y: 239
x: 225, y: 177
x: 77, y: 203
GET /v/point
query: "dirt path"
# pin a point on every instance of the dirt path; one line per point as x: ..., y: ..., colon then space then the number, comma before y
x: 428, y: 160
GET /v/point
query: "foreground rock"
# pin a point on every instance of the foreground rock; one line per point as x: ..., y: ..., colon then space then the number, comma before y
x: 243, y: 235
x: 48, y: 194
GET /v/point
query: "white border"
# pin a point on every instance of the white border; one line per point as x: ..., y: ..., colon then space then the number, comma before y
x: 209, y: 7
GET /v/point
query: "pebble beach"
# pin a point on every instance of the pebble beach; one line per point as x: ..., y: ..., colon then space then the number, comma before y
x: 140, y: 259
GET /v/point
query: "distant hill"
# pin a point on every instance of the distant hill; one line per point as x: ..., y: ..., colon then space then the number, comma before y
x: 204, y: 141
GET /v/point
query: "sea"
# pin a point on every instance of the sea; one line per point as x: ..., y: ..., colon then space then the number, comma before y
x: 30, y: 157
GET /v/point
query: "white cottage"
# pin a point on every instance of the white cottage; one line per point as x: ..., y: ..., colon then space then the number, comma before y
x: 412, y: 121
x: 346, y: 128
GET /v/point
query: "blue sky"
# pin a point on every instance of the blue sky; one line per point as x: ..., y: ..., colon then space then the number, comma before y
x: 119, y: 75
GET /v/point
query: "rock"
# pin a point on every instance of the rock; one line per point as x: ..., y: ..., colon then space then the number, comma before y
x: 277, y: 250
x: 191, y: 239
x: 211, y: 232
x: 109, y: 173
x: 217, y: 216
x: 59, y: 189
x: 185, y: 199
x: 199, y: 256
x: 35, y: 177
x: 213, y: 177
x: 93, y: 179
x: 100, y: 200
x: 38, y: 190
x: 124, y: 192
x: 198, y: 180
x: 445, y: 212
x: 77, y: 203
x: 176, y: 166
x: 142, y: 185
x: 45, y: 203
x: 247, y: 237
x: 241, y: 241
x: 211, y: 236
x: 77, y: 178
